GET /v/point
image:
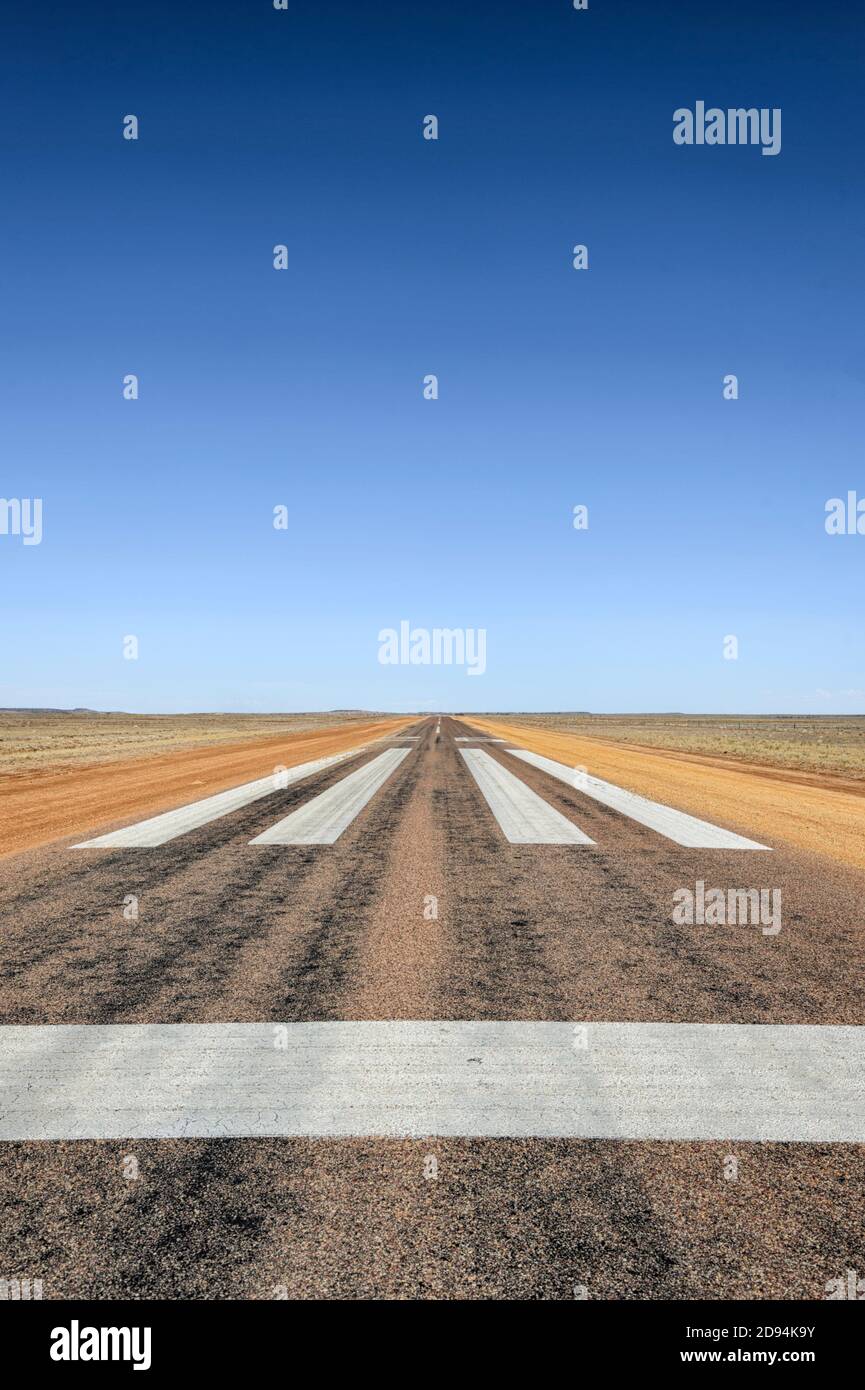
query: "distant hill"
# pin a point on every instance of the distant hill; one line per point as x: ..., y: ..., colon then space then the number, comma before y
x: 49, y: 709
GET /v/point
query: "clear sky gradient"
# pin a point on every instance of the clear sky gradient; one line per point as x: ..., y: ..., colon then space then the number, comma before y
x: 409, y: 257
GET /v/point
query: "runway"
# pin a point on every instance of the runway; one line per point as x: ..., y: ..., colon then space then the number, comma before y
x: 457, y: 985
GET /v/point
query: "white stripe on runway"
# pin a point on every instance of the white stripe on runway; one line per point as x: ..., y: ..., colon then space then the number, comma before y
x: 675, y: 825
x: 523, y: 816
x: 682, y: 1081
x: 158, y: 829
x: 322, y: 820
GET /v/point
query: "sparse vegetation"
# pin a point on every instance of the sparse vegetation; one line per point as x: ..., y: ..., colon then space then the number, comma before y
x: 808, y: 743
x: 35, y: 740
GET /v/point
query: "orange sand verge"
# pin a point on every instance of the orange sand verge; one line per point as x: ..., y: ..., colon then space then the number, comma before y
x: 36, y: 809
x: 821, y: 813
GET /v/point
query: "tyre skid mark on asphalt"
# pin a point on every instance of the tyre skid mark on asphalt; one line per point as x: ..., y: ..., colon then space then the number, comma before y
x: 733, y: 977
x: 499, y: 947
x: 178, y: 891
x: 323, y: 819
x: 650, y: 968
x: 314, y: 986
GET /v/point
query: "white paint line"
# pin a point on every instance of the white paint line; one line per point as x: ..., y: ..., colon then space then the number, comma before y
x: 675, y: 825
x: 524, y: 817
x: 323, y: 819
x: 686, y: 1081
x: 159, y: 829
x: 477, y: 738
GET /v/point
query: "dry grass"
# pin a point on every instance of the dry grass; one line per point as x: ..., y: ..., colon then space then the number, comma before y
x: 832, y: 744
x: 43, y: 740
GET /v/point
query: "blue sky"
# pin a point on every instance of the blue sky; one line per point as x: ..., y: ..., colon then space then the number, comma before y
x: 407, y: 257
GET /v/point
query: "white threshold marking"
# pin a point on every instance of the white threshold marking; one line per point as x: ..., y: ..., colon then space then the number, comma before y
x: 523, y: 817
x: 477, y: 738
x: 675, y: 825
x: 323, y: 819
x: 167, y: 826
x: 685, y: 1081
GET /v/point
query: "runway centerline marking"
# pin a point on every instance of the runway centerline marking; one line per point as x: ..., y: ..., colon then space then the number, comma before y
x: 523, y: 817
x: 157, y: 830
x: 322, y: 820
x: 674, y: 825
x: 676, y: 1081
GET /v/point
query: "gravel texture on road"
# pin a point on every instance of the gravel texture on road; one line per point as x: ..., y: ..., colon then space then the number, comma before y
x: 422, y: 910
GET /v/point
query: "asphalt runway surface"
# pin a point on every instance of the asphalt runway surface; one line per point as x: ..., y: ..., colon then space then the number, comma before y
x: 423, y: 910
